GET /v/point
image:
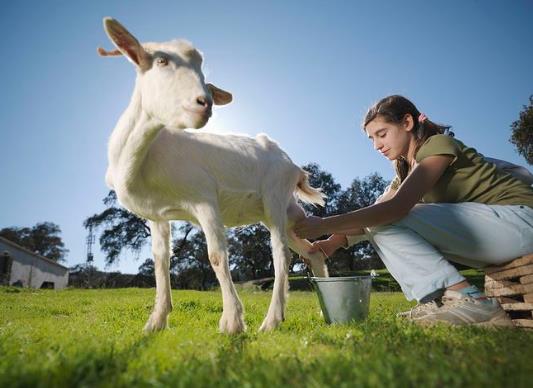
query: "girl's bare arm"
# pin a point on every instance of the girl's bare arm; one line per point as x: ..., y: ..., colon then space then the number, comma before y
x: 392, y: 207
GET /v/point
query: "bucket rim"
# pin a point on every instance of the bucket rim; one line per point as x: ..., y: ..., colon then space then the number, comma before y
x: 340, y: 278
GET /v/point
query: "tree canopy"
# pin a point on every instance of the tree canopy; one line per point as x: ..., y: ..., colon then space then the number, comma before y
x: 121, y: 229
x: 43, y: 238
x: 522, y: 132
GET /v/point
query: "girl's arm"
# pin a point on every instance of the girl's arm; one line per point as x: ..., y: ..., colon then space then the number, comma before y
x: 421, y: 180
x: 336, y: 241
x: 387, y: 194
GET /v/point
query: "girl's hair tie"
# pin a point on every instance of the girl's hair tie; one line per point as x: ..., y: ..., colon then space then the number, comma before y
x: 422, y: 118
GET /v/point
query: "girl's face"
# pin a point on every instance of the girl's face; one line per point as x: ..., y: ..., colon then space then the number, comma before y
x: 390, y: 139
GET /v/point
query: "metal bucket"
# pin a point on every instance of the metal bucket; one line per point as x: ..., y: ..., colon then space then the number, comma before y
x: 343, y: 299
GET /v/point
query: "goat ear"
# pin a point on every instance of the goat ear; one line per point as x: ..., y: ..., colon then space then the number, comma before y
x: 127, y: 44
x: 220, y: 97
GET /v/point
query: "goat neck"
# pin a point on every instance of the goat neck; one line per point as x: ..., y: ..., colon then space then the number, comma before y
x: 129, y: 143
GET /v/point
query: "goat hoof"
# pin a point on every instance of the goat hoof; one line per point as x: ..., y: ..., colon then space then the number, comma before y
x: 156, y: 322
x: 271, y: 323
x: 231, y: 324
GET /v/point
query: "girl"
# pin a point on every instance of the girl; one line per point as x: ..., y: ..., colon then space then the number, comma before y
x: 446, y: 203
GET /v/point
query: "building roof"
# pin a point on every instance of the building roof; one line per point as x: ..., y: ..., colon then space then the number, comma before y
x: 9, y: 242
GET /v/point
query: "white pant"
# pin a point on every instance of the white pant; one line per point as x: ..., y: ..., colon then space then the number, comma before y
x: 417, y: 249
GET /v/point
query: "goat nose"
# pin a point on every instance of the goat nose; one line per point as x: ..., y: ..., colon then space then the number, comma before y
x: 203, y: 101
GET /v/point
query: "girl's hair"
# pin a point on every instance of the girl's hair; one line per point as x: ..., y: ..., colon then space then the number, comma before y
x: 393, y: 109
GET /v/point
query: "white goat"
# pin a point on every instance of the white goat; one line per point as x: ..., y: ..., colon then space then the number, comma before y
x: 162, y: 172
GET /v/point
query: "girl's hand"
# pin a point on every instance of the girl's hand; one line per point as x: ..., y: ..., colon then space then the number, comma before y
x: 329, y: 246
x: 309, y: 227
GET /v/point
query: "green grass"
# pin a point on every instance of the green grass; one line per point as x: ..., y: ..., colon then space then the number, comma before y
x: 93, y: 338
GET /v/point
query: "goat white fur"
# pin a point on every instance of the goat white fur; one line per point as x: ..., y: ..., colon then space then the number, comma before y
x: 162, y: 171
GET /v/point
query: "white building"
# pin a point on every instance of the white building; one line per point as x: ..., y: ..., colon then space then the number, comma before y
x: 20, y: 266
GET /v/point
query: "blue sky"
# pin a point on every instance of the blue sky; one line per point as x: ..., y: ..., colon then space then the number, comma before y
x: 302, y: 71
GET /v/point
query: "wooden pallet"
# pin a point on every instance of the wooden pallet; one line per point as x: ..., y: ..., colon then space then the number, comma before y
x: 512, y: 285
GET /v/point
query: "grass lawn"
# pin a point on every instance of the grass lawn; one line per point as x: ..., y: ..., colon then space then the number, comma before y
x: 94, y: 338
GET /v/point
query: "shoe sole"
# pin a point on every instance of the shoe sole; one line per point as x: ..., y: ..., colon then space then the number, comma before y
x: 501, y: 320
x: 498, y: 321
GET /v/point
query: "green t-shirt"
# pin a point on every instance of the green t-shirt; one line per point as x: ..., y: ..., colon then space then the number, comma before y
x: 470, y: 178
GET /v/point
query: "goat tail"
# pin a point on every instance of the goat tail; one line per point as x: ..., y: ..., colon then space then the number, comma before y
x: 309, y: 194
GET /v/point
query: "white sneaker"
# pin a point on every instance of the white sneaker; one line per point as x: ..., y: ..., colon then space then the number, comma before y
x: 458, y: 309
x: 420, y: 310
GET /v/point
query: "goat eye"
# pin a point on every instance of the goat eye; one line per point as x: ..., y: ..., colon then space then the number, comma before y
x: 161, y: 61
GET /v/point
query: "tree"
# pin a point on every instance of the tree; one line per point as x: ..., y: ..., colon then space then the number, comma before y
x: 190, y: 260
x: 86, y: 275
x: 250, y: 252
x: 361, y: 193
x: 43, y: 239
x: 522, y: 132
x: 122, y: 229
x: 147, y: 267
x: 322, y: 179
